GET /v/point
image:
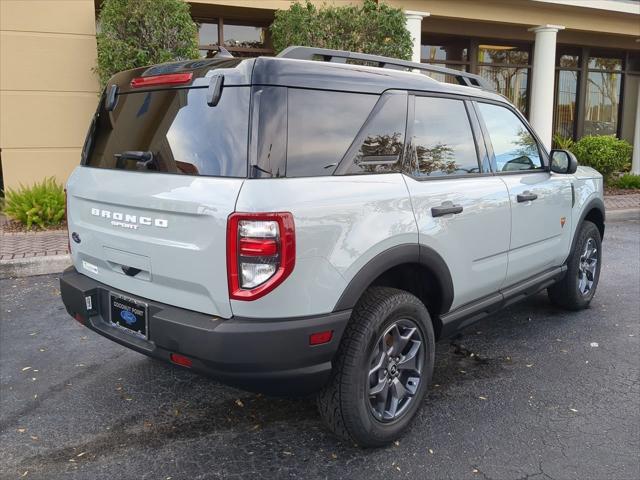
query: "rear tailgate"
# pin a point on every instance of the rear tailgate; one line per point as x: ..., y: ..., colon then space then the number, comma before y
x: 148, y: 208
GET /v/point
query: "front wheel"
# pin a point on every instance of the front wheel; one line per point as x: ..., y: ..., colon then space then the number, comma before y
x: 382, y: 369
x: 577, y: 288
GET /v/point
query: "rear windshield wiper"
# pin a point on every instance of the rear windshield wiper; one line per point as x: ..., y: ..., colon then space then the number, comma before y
x: 143, y: 159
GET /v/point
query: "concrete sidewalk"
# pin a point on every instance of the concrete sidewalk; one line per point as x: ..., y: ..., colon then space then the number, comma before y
x: 37, y: 253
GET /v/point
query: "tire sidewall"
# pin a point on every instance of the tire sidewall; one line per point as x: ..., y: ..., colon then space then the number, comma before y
x: 407, y: 307
x: 587, y: 230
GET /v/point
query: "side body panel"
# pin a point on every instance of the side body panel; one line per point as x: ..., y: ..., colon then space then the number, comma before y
x: 540, y: 229
x: 474, y: 243
x: 588, y: 193
x: 341, y: 223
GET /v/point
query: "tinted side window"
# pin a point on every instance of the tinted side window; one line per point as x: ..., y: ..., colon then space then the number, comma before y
x: 321, y: 127
x: 442, y: 138
x: 380, y: 144
x: 513, y: 145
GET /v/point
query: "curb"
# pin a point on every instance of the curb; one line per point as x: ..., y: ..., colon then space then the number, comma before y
x: 26, y: 267
x: 623, y: 214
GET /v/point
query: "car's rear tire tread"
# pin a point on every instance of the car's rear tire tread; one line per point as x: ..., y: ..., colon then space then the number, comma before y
x: 331, y: 403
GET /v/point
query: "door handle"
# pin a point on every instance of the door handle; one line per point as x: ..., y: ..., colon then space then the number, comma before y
x: 446, y: 209
x: 526, y: 196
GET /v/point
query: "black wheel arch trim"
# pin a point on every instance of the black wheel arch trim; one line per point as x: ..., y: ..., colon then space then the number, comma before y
x: 594, y: 203
x: 393, y: 257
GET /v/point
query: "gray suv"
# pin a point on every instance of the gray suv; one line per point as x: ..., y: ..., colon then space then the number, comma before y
x: 315, y: 222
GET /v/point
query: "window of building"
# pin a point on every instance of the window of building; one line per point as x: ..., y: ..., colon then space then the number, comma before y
x: 317, y: 142
x: 449, y: 52
x: 566, y: 94
x: 241, y: 38
x: 514, y: 147
x: 507, y: 68
x: 602, y: 99
x: 442, y: 141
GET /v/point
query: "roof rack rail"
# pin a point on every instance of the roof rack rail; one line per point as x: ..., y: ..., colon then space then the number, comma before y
x: 341, y: 56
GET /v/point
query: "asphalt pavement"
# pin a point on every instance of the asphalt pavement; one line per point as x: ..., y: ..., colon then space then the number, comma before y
x: 530, y: 393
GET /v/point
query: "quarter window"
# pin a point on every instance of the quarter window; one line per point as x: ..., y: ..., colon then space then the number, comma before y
x: 380, y: 144
x: 321, y: 127
x: 513, y: 145
x: 442, y: 142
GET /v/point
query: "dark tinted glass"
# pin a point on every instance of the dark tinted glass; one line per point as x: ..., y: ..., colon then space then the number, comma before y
x: 321, y: 127
x: 184, y: 134
x: 442, y: 138
x: 379, y: 146
x: 269, y: 132
x: 513, y: 145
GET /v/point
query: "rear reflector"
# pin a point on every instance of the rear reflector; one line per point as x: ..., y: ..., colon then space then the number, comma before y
x: 320, y: 337
x: 79, y: 318
x: 166, y: 79
x: 181, y: 360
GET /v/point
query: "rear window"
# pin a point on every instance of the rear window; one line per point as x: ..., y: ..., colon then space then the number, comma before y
x: 172, y: 131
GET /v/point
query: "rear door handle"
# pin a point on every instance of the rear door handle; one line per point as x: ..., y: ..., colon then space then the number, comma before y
x: 526, y: 196
x: 446, y: 209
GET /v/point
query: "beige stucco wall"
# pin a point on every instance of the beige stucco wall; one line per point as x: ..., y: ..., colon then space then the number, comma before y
x: 47, y: 89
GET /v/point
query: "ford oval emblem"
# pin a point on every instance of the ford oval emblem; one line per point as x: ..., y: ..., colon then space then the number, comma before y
x: 128, y: 317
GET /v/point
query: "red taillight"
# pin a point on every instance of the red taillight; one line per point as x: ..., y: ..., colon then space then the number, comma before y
x: 181, y: 360
x: 320, y: 337
x: 164, y: 79
x: 261, y: 253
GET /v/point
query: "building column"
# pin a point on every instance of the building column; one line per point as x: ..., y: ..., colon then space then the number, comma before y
x: 542, y: 81
x: 635, y: 160
x: 414, y: 25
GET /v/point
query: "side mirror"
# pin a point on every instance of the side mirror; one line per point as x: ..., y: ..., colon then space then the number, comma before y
x: 563, y: 161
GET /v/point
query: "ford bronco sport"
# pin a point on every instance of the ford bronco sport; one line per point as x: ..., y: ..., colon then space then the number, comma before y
x: 290, y: 225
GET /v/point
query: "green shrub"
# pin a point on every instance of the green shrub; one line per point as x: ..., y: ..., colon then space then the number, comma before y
x: 135, y: 33
x: 367, y: 28
x: 42, y: 204
x: 605, y: 153
x: 562, y: 143
x: 628, y: 181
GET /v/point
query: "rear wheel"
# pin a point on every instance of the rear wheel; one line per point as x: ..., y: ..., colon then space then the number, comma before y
x: 577, y: 288
x: 382, y: 369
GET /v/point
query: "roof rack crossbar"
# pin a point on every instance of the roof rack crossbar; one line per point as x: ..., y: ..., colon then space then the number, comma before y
x: 340, y: 56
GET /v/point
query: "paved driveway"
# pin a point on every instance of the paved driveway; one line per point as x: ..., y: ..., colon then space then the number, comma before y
x: 532, y: 392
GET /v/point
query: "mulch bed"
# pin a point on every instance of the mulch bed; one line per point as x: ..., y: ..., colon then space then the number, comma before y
x: 11, y: 226
x: 620, y: 191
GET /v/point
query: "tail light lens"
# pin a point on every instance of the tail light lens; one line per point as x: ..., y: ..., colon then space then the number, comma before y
x: 261, y: 253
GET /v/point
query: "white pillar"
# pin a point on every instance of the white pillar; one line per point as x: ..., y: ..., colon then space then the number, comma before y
x: 414, y: 25
x: 542, y: 81
x: 635, y: 160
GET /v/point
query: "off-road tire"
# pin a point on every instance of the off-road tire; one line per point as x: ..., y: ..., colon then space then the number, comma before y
x: 344, y: 402
x: 566, y: 293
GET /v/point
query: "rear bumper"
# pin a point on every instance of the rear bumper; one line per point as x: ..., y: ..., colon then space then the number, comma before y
x: 266, y: 355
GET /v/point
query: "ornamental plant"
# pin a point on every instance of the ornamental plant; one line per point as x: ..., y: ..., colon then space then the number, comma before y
x: 605, y: 153
x: 368, y: 28
x: 41, y: 204
x: 135, y: 33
